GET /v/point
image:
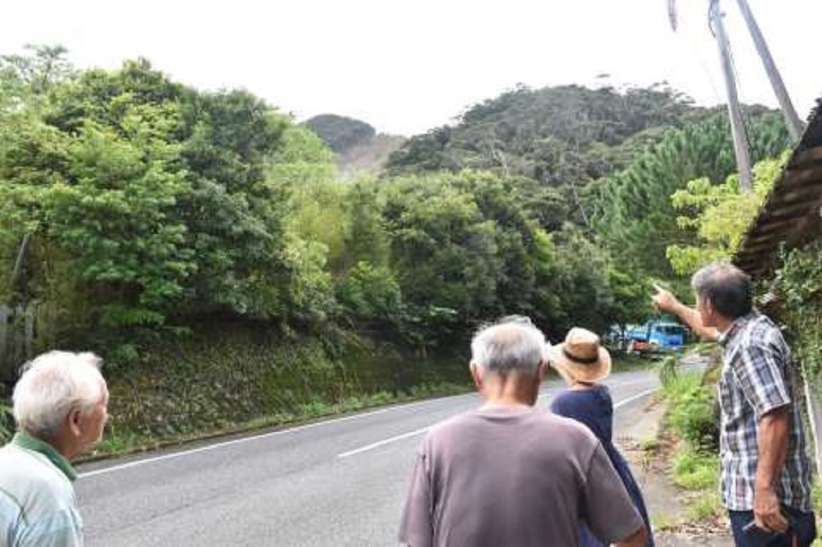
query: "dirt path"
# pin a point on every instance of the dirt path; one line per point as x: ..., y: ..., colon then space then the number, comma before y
x: 667, y: 504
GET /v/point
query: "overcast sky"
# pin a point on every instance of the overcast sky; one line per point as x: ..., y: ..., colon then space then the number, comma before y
x: 407, y: 66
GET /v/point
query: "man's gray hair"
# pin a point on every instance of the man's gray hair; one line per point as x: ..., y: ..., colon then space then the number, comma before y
x: 513, y: 344
x: 728, y: 289
x: 51, y: 386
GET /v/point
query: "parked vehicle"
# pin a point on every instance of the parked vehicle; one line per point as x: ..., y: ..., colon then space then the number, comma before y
x: 655, y: 336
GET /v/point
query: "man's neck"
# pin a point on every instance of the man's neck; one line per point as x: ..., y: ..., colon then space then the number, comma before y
x: 505, y: 403
x: 723, y: 324
x: 512, y: 391
x: 66, y: 446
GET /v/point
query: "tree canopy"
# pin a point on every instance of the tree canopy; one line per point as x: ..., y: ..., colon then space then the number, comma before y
x: 138, y: 204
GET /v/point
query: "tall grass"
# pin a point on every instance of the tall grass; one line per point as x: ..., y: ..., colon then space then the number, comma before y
x: 692, y: 409
x: 692, y: 416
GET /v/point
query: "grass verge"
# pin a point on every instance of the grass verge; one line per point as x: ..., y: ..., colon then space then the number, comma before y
x: 119, y: 444
x: 120, y: 440
x: 691, y: 425
x: 116, y: 443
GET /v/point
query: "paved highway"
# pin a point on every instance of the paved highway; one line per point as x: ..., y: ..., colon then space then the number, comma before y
x: 337, y: 482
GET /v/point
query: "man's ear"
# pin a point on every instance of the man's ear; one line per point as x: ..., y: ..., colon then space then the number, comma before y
x: 709, y: 306
x: 476, y: 375
x: 73, y: 421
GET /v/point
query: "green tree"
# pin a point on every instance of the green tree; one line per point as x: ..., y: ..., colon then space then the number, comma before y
x: 719, y: 215
x: 365, y: 235
x: 24, y: 77
x: 233, y: 216
x: 156, y: 196
x: 371, y: 293
x: 464, y: 242
x: 106, y: 201
x: 633, y: 213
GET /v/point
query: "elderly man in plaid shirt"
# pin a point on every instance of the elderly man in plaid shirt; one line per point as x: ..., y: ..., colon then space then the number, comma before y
x: 766, y: 471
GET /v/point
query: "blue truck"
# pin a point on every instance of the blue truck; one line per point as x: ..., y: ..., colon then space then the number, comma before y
x: 655, y: 336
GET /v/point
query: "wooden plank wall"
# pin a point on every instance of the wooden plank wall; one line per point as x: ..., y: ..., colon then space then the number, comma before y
x: 17, y: 337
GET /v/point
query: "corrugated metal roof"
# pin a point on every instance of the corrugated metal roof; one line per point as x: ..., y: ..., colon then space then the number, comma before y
x: 792, y: 212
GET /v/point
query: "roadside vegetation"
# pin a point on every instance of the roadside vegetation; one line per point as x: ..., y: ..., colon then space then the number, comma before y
x: 132, y: 440
x: 690, y: 435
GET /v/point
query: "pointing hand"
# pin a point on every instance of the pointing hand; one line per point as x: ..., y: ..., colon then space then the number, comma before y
x: 664, y: 300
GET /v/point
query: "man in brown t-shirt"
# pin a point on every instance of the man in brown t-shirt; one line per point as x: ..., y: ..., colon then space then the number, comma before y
x: 508, y: 474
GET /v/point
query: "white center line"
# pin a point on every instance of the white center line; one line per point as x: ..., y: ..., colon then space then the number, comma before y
x: 384, y: 441
x: 252, y: 438
x: 215, y: 446
x: 416, y: 432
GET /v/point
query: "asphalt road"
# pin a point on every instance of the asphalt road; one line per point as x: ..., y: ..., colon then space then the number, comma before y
x: 337, y: 482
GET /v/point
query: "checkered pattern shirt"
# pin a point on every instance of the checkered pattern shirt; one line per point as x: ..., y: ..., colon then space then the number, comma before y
x: 757, y: 378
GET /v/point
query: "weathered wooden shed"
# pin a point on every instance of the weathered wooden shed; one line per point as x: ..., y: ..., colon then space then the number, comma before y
x: 792, y: 213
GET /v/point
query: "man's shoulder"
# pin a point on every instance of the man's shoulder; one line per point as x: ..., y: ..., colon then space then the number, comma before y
x: 758, y: 331
x: 550, y: 424
x: 757, y: 327
x: 762, y: 332
x: 31, y: 478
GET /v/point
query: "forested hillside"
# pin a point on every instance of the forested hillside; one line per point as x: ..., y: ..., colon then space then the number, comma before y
x: 340, y: 132
x: 608, y: 162
x: 160, y: 225
x: 562, y: 137
x: 359, y: 148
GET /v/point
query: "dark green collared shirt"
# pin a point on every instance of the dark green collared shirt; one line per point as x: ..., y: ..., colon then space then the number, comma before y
x: 24, y: 440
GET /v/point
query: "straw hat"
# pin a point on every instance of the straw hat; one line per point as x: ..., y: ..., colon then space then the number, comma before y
x: 581, y: 357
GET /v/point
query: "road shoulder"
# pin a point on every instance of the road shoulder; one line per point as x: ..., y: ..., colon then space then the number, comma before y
x: 649, y: 453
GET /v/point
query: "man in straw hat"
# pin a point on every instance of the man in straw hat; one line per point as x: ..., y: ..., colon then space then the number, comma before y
x: 583, y: 362
x: 508, y: 473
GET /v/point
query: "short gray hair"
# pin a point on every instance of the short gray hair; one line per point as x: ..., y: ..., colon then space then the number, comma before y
x: 728, y: 289
x: 51, y: 386
x: 512, y: 344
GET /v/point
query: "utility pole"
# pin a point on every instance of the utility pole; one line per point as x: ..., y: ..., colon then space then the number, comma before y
x: 795, y: 126
x: 743, y: 160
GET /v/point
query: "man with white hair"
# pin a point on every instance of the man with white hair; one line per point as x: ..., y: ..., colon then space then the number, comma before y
x: 60, y: 406
x: 508, y: 473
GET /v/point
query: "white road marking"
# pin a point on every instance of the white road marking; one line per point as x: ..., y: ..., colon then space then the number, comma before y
x: 416, y: 432
x: 215, y: 446
x: 252, y: 438
x: 383, y: 442
x: 635, y: 397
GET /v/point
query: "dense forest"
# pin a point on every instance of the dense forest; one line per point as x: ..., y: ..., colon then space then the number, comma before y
x: 135, y: 210
x: 604, y: 162
x: 144, y: 203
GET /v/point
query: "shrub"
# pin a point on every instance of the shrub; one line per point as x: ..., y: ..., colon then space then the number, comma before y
x: 692, y: 410
x: 694, y: 470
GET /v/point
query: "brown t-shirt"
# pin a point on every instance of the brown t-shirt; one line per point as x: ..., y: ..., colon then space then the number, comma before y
x: 513, y: 477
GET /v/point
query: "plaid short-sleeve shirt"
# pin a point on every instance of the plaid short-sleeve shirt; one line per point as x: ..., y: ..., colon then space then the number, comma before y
x: 756, y: 378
